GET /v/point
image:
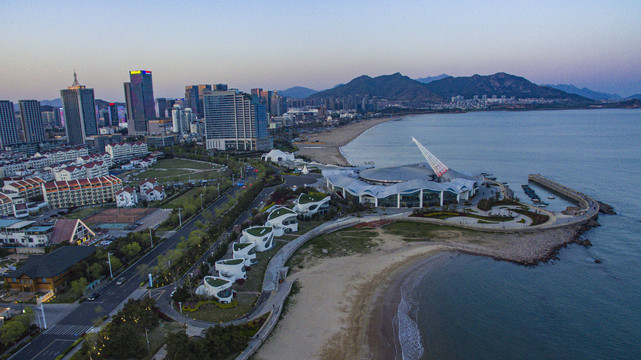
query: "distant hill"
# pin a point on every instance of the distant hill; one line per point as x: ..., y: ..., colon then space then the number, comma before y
x: 498, y: 84
x: 395, y: 87
x: 55, y: 102
x: 429, y: 79
x: 585, y: 92
x: 635, y: 96
x: 297, y: 92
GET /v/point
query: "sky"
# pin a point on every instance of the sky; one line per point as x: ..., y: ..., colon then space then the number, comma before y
x: 317, y: 44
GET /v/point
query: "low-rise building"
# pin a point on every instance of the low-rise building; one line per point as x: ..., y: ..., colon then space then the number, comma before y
x: 127, y: 197
x: 308, y: 205
x: 283, y: 220
x: 218, y: 287
x: 6, y: 205
x: 122, y: 152
x: 262, y: 236
x: 157, y: 193
x: 20, y: 233
x: 245, y: 251
x: 82, y: 192
x: 231, y: 269
x: 71, y: 231
x: 104, y: 157
x: 49, y: 272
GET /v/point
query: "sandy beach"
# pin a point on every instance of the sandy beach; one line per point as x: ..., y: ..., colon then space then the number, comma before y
x: 330, y: 316
x: 324, y: 147
x: 346, y: 306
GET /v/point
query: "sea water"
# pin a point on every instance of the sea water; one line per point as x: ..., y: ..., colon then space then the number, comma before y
x: 470, y: 307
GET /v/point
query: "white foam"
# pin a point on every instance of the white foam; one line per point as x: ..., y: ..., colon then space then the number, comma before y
x: 409, y: 336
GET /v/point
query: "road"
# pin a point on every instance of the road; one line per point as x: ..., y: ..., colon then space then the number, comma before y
x: 57, y: 338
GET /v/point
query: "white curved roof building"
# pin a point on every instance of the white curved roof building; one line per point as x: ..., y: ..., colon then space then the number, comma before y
x: 283, y: 220
x: 415, y: 185
x: 310, y: 205
x: 276, y: 155
x: 231, y: 269
x: 218, y: 287
x: 262, y: 236
x: 245, y: 251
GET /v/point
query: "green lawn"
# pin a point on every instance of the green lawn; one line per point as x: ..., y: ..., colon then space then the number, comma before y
x: 212, y: 313
x: 179, y: 169
x: 422, y: 231
x: 256, y: 274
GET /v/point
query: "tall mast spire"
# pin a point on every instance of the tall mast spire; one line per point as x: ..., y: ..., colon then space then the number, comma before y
x: 436, y: 164
x: 75, y: 79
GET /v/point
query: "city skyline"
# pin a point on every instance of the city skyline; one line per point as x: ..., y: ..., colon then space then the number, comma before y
x: 276, y: 46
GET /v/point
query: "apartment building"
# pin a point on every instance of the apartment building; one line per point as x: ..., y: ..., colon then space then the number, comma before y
x: 64, y: 194
x: 122, y: 152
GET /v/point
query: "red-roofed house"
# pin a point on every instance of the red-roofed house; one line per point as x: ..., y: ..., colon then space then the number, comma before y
x: 82, y: 192
x: 127, y: 197
x: 157, y: 193
x: 147, y: 184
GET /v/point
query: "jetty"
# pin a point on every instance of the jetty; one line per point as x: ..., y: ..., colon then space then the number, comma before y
x: 589, y: 208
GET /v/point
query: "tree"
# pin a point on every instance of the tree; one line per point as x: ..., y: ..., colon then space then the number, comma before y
x: 78, y: 286
x: 95, y: 270
x: 11, y: 332
x: 132, y: 249
x: 115, y: 263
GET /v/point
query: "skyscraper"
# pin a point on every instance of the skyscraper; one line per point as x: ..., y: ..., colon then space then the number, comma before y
x: 8, y: 130
x: 234, y: 121
x: 139, y: 96
x: 113, y: 114
x: 194, y: 96
x: 31, y: 118
x: 161, y: 107
x: 80, y: 112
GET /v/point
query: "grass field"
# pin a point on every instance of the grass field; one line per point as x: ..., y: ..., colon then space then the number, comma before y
x: 179, y: 169
x: 86, y: 212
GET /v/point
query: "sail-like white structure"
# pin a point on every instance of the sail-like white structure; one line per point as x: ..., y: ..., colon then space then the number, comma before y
x: 436, y: 164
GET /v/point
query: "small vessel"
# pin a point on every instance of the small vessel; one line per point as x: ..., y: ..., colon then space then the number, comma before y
x: 551, y: 197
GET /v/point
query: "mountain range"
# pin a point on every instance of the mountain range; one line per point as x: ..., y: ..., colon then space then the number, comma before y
x: 429, y: 79
x: 297, y: 92
x: 397, y: 87
x: 585, y: 92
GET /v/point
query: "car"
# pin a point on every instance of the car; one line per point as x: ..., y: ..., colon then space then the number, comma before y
x: 93, y: 297
x: 120, y: 281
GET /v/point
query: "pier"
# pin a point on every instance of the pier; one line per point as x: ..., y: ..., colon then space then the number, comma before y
x: 588, y: 206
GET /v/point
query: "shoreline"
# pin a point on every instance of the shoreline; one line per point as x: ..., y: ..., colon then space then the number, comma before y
x: 348, y: 305
x: 324, y: 147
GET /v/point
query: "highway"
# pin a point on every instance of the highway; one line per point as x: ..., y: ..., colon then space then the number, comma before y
x: 60, y: 336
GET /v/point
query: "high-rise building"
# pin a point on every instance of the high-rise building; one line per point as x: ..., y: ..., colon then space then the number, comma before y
x: 8, y: 128
x: 235, y: 121
x: 161, y: 107
x: 181, y: 119
x: 220, y: 87
x: 80, y: 112
x: 113, y: 115
x: 194, y: 97
x: 32, y: 124
x: 139, y: 96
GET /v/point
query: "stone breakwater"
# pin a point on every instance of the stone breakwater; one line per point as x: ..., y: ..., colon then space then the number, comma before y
x: 530, y: 248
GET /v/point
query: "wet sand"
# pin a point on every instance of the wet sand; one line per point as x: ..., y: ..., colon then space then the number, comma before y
x: 324, y: 147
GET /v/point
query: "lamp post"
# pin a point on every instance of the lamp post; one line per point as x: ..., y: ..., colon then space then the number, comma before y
x: 111, y: 274
x: 151, y: 238
x: 180, y: 218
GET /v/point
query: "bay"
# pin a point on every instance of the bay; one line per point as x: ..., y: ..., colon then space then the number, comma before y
x: 476, y: 308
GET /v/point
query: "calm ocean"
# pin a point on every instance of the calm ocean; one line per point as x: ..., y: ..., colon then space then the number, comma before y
x: 468, y: 307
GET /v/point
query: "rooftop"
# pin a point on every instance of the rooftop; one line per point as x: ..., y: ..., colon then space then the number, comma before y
x: 240, y: 246
x: 258, y: 230
x: 280, y: 212
x: 216, y: 282
x: 53, y: 263
x: 233, y: 261
x: 310, y: 198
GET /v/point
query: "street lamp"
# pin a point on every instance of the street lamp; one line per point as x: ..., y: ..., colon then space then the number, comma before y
x: 109, y: 261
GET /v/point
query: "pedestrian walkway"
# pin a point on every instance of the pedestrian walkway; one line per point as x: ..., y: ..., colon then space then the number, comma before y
x: 68, y: 329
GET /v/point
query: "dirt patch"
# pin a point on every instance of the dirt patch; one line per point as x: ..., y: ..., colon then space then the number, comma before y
x: 119, y: 216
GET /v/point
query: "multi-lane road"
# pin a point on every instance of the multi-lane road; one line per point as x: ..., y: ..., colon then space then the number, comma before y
x: 60, y: 336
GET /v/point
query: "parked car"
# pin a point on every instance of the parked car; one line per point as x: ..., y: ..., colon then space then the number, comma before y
x: 120, y: 281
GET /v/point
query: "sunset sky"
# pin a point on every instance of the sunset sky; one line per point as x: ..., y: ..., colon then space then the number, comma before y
x: 316, y: 44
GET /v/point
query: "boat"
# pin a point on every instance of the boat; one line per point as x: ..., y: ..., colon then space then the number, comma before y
x: 551, y: 197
